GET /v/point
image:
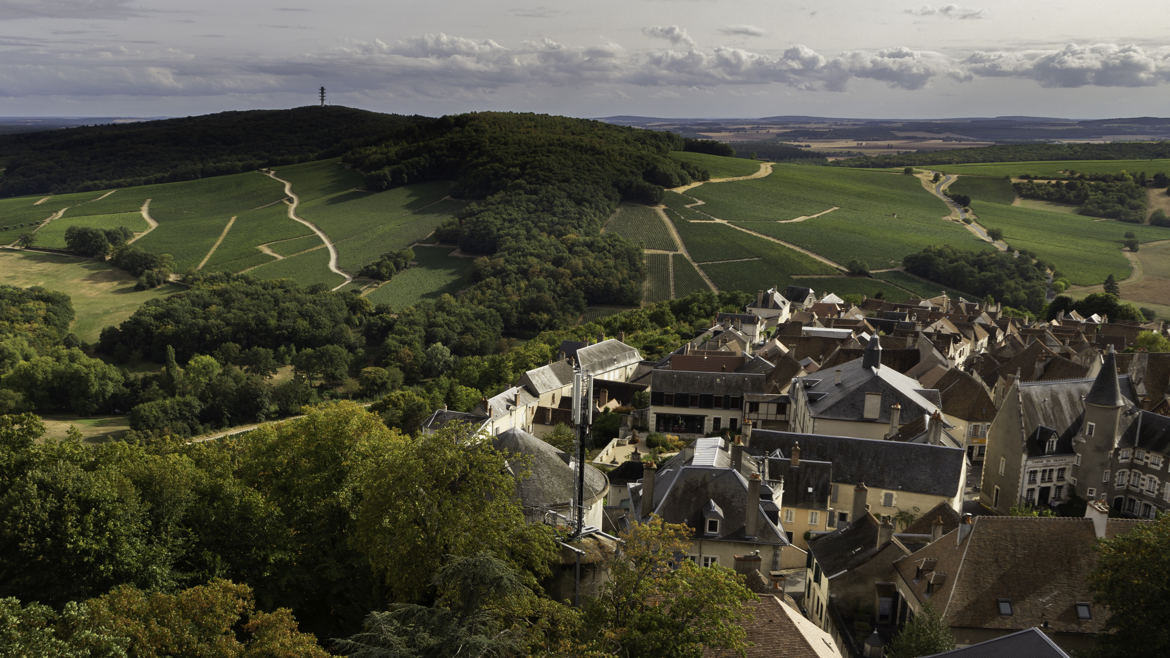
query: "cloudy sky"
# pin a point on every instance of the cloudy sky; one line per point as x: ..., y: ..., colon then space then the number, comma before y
x: 673, y: 58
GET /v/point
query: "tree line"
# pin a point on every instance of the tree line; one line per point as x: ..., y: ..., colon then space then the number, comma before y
x: 1015, y: 153
x: 1019, y: 282
x: 1122, y: 197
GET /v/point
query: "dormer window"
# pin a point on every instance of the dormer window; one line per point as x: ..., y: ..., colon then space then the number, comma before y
x: 1005, y: 607
x: 712, y: 526
x: 1050, y: 447
x: 712, y: 517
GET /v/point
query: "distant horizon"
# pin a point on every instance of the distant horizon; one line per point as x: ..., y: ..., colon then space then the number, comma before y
x: 897, y: 59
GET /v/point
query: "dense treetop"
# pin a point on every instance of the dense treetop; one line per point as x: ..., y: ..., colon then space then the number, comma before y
x: 99, y: 157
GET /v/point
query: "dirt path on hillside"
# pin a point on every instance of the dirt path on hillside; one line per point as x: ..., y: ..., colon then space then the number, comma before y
x: 151, y: 224
x: 765, y: 170
x: 101, y: 197
x: 293, y: 202
x: 217, y: 243
x: 1158, y: 199
x: 45, y: 221
x: 678, y: 243
x: 805, y: 218
x: 42, y: 200
x: 958, y: 214
x: 811, y: 254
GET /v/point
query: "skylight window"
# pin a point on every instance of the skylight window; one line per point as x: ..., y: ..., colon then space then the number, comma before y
x: 1083, y: 611
x: 1005, y: 607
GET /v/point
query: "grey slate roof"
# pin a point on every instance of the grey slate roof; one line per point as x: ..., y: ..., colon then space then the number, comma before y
x: 550, y: 481
x: 1148, y: 431
x: 606, y: 355
x: 1106, y: 391
x: 548, y: 378
x: 443, y: 416
x: 892, y: 465
x: 1057, y: 404
x: 710, y: 383
x: 806, y: 485
x: 1028, y: 643
x: 846, y: 400
x: 846, y: 547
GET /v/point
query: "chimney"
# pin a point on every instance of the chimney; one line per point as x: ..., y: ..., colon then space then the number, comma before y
x: 895, y: 419
x: 736, y: 454
x: 936, y: 530
x: 860, y: 501
x: 648, y: 472
x: 1098, y: 511
x: 746, y: 564
x: 795, y: 459
x: 747, y: 433
x: 752, y: 508
x: 885, y: 533
x: 934, y: 429
x: 965, y: 526
x: 837, y: 377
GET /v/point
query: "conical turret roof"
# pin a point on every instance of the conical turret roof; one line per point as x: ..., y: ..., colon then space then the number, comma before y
x: 1106, y: 390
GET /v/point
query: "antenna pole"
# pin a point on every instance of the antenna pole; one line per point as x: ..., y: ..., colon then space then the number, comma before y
x: 582, y: 418
x: 322, y: 97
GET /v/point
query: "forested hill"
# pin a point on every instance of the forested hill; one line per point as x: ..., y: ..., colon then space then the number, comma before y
x: 100, y: 157
x: 1016, y: 153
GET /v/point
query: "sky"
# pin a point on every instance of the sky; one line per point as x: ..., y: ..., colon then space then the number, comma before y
x: 665, y: 58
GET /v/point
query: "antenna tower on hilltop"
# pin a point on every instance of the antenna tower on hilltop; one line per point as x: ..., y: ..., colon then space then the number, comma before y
x: 322, y: 97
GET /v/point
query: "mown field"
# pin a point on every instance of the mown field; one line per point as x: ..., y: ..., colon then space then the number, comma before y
x: 437, y: 272
x: 640, y: 224
x: 1084, y: 249
x: 717, y: 165
x: 880, y: 216
x: 1053, y: 167
x: 102, y: 295
x: 996, y: 189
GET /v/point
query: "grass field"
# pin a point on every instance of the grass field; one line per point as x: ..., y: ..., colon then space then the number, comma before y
x: 192, y: 214
x: 1054, y: 168
x: 850, y: 285
x: 686, y: 279
x: 365, y: 225
x: 984, y: 188
x: 239, y: 251
x: 641, y: 224
x: 21, y: 215
x: 880, y: 217
x: 1084, y: 250
x: 92, y: 430
x: 436, y: 273
x: 717, y: 165
x: 53, y: 234
x: 102, y: 295
x: 919, y: 286
x: 1048, y: 206
x: 677, y: 204
x: 309, y: 268
x: 658, y: 276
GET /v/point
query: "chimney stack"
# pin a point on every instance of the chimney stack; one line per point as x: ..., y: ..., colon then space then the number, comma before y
x: 895, y: 419
x: 1098, y: 511
x: 736, y: 454
x: 860, y: 502
x: 936, y: 530
x: 746, y: 564
x: 747, y: 433
x: 795, y: 454
x: 648, y: 472
x: 965, y: 526
x: 752, y: 508
x: 934, y: 429
x: 885, y: 533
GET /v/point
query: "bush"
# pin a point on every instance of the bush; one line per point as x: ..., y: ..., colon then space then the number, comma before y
x: 995, y: 234
x: 1159, y: 218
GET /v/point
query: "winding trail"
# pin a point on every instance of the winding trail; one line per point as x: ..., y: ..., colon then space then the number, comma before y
x: 45, y: 221
x: 764, y: 171
x: 151, y: 224
x: 217, y: 243
x: 293, y: 202
x: 958, y: 214
x: 43, y: 199
x: 805, y: 218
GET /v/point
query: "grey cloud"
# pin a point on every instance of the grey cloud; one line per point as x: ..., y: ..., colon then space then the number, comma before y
x: 536, y: 12
x: 949, y: 11
x: 743, y: 30
x: 90, y: 9
x: 672, y: 33
x: 1102, y: 65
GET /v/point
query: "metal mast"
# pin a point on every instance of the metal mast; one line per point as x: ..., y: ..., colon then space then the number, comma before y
x: 582, y: 418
